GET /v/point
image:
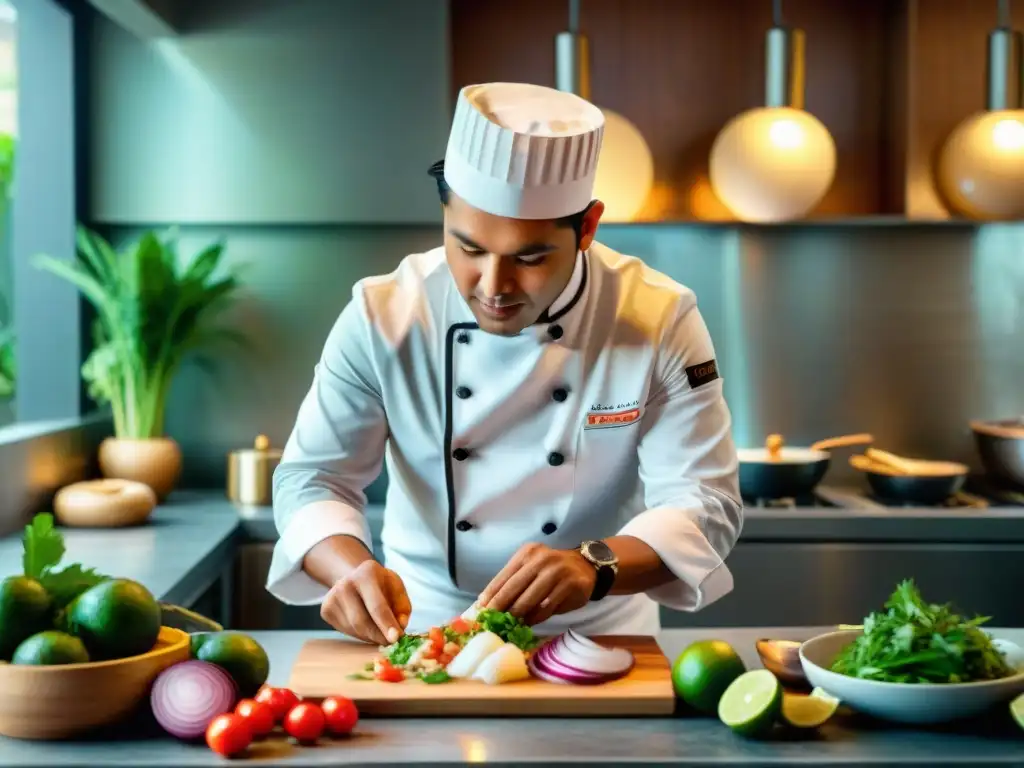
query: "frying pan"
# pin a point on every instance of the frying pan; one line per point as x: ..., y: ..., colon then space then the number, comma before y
x: 1000, y: 445
x: 777, y: 472
x: 910, y: 481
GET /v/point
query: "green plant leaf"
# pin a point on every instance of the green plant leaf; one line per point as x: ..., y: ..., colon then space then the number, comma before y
x: 42, y: 546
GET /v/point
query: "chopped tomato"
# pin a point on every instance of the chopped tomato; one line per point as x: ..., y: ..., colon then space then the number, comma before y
x: 389, y: 674
x: 444, y: 660
x: 459, y: 626
x: 431, y: 652
x: 436, y: 637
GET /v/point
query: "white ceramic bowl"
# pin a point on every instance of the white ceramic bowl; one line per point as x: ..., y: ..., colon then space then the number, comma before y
x: 908, y: 703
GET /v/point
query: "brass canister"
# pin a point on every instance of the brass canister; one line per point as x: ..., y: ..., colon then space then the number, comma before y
x: 251, y: 473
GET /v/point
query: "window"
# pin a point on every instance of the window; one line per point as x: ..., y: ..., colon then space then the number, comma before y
x: 8, y: 142
x: 45, y: 440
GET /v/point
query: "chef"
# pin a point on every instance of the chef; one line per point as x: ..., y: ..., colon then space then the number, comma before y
x: 550, y: 412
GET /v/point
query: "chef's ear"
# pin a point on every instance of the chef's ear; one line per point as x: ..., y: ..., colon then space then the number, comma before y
x: 588, y: 227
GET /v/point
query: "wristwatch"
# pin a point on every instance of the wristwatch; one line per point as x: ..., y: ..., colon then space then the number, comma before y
x: 600, y: 555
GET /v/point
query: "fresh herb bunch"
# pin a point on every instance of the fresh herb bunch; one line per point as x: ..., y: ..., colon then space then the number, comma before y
x: 917, y: 642
x: 400, y: 652
x: 507, y: 627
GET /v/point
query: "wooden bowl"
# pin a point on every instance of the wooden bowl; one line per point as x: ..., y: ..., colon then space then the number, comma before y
x: 69, y: 700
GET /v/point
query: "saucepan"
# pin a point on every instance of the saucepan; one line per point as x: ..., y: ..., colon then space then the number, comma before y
x: 910, y: 481
x: 784, y: 472
x: 1000, y: 446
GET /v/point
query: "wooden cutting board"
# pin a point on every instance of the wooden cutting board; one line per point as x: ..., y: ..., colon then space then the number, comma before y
x: 323, y: 666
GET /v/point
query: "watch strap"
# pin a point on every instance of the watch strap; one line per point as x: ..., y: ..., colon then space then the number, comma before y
x: 605, y: 570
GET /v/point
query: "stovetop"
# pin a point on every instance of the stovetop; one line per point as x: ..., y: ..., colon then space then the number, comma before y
x: 979, y: 492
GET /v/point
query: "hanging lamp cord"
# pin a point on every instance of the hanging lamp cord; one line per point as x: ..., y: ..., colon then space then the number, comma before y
x: 574, y: 16
x: 1003, y: 13
x: 777, y: 13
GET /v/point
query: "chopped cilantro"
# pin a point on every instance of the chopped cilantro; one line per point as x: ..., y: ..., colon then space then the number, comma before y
x: 400, y: 653
x: 435, y: 677
x: 508, y: 628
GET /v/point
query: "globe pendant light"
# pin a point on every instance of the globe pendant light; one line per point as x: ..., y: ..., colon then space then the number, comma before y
x: 775, y: 163
x: 981, y: 164
x: 625, y: 169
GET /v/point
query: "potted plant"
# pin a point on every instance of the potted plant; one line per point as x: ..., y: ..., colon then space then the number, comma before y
x: 152, y: 312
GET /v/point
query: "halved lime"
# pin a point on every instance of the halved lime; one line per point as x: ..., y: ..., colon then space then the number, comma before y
x: 750, y: 705
x: 1017, y: 710
x: 802, y: 711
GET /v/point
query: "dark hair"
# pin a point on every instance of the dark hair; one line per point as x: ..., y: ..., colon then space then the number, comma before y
x: 574, y: 221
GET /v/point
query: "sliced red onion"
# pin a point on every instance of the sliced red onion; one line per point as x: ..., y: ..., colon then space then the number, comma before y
x: 554, y: 672
x: 571, y: 658
x: 550, y: 662
x: 600, y: 660
x: 187, y: 696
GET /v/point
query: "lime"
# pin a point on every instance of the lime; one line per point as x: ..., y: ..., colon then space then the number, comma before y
x: 1017, y: 710
x: 750, y: 705
x: 116, y: 619
x: 703, y: 671
x: 803, y: 711
x: 51, y: 647
x: 24, y: 610
x: 240, y: 656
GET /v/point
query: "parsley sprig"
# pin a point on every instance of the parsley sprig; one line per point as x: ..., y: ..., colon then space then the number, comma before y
x: 42, y: 551
x: 913, y: 641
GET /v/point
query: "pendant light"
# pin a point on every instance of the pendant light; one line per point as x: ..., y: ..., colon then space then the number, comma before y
x: 625, y: 169
x: 775, y: 163
x: 981, y: 165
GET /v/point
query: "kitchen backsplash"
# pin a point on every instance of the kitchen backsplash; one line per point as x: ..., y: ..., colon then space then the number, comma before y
x: 904, y: 331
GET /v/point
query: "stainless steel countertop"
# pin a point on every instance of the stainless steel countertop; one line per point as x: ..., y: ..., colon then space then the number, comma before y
x: 672, y: 741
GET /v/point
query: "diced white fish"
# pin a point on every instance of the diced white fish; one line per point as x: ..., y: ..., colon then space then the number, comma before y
x: 476, y: 650
x: 505, y: 665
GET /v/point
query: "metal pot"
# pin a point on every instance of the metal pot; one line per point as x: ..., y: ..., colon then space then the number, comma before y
x: 910, y: 481
x: 251, y: 473
x: 777, y: 472
x: 1000, y: 446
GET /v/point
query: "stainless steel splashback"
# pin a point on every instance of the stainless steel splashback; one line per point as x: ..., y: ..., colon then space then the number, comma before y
x: 904, y: 331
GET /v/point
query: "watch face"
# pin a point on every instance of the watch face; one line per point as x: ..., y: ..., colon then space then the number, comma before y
x: 600, y: 552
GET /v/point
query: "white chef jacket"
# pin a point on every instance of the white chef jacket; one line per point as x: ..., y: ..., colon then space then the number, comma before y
x: 604, y: 418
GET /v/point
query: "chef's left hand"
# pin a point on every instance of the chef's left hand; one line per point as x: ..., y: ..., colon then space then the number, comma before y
x: 539, y: 582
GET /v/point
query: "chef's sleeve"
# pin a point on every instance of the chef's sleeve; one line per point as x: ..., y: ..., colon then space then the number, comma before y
x: 335, y: 450
x: 689, y: 468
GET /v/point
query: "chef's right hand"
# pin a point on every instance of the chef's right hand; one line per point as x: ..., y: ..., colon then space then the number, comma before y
x: 370, y: 604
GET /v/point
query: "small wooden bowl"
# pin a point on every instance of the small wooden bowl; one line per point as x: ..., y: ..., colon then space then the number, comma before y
x: 109, y: 503
x: 69, y: 700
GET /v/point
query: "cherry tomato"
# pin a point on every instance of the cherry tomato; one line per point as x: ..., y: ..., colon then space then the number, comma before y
x: 280, y: 700
x: 228, y: 735
x: 305, y: 722
x: 257, y: 714
x: 340, y: 714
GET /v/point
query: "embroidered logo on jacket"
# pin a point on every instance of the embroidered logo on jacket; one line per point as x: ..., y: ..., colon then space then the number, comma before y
x: 604, y: 419
x: 704, y: 373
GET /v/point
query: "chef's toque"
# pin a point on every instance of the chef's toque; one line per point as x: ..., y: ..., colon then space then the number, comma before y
x: 523, y: 151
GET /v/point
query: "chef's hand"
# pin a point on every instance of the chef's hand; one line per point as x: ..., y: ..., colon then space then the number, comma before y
x: 370, y: 604
x: 539, y: 582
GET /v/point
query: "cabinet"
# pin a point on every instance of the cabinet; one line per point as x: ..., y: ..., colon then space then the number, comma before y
x: 889, y: 78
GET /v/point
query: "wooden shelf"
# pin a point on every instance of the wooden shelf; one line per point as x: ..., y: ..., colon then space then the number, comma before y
x: 889, y: 78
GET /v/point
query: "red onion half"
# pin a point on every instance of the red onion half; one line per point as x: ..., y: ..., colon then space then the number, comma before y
x: 187, y: 696
x: 575, y: 659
